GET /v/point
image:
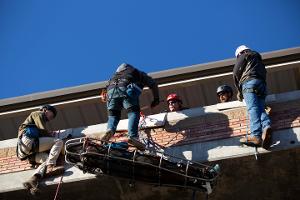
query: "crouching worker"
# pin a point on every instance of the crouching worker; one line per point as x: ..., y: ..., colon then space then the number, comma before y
x: 123, y: 91
x: 34, y: 142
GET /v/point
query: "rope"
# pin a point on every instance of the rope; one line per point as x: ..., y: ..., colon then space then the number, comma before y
x: 58, y: 186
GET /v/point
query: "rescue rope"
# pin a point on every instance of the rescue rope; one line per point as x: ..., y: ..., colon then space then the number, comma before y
x: 58, y: 186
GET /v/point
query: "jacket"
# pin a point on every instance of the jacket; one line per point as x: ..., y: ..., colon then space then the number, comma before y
x: 248, y: 66
x: 37, y: 119
x: 132, y: 75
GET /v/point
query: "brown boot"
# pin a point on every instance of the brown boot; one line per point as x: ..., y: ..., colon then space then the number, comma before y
x: 251, y: 140
x: 135, y: 142
x: 32, y: 185
x: 108, y: 134
x: 267, y: 138
x: 52, y: 170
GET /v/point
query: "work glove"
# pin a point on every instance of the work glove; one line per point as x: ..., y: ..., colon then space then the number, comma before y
x: 155, y: 102
x: 239, y: 96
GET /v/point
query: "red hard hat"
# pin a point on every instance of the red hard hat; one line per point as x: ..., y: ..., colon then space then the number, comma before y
x: 173, y: 97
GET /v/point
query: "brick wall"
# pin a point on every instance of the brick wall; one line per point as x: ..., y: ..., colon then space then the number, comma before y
x: 212, y: 126
x: 10, y: 163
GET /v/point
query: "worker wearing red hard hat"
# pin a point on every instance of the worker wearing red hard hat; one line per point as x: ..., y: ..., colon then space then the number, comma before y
x: 174, y: 102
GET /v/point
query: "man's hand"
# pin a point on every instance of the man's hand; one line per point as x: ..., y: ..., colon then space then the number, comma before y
x: 155, y: 102
x: 239, y: 96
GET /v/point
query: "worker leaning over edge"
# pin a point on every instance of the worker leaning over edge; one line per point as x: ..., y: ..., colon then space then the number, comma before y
x: 123, y: 91
x: 249, y: 74
x: 34, y: 140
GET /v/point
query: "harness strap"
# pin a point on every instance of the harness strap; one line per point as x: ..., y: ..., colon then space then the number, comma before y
x: 32, y: 151
x: 250, y: 90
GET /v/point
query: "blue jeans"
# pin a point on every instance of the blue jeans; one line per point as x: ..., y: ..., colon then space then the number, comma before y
x: 115, y: 104
x: 254, y: 92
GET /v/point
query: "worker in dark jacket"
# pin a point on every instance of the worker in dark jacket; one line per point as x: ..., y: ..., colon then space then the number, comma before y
x: 123, y: 91
x: 34, y: 142
x: 249, y: 75
x: 224, y: 93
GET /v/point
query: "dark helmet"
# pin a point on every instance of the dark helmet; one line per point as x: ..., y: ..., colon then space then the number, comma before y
x: 51, y: 108
x: 224, y: 89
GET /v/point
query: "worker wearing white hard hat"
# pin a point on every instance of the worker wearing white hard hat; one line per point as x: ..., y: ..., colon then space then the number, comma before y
x: 249, y: 74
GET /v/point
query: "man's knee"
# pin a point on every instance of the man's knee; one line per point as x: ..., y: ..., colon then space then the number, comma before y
x: 59, y: 143
x: 116, y: 113
x: 133, y: 109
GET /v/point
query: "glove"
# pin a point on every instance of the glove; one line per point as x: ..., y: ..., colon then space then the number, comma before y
x: 239, y: 96
x: 155, y: 102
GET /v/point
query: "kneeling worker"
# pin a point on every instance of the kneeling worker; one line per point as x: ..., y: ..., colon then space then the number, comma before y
x: 34, y: 142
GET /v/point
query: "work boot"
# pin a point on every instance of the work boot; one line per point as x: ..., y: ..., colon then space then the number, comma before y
x: 32, y: 185
x: 135, y: 142
x: 52, y: 170
x: 251, y: 140
x: 108, y: 134
x: 267, y: 137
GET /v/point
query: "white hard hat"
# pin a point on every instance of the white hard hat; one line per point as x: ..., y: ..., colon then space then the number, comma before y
x: 122, y: 67
x: 240, y: 49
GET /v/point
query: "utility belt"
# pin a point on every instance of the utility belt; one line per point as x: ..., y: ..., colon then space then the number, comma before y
x: 255, y: 90
x: 251, y: 90
x: 32, y: 133
x: 131, y: 90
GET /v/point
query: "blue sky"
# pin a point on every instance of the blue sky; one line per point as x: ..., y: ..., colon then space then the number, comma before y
x: 47, y: 45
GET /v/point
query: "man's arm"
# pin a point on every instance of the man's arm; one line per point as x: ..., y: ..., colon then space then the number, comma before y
x: 148, y: 81
x: 40, y: 122
x: 238, y: 70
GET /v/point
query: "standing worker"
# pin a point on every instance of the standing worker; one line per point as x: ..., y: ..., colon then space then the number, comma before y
x: 123, y: 91
x: 249, y: 74
x: 34, y: 140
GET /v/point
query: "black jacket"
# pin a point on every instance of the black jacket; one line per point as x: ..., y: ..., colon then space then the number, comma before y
x: 133, y: 75
x: 248, y: 66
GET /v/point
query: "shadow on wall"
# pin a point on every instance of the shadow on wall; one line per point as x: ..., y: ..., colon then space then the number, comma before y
x: 200, y: 129
x: 283, y: 117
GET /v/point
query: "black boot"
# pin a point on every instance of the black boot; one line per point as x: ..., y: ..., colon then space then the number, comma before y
x: 32, y: 185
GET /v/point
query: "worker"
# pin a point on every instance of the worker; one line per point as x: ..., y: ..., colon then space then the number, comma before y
x: 224, y: 93
x: 34, y: 142
x: 174, y: 102
x: 249, y: 74
x: 123, y: 91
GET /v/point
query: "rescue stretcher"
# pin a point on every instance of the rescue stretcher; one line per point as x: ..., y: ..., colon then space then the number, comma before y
x: 96, y: 157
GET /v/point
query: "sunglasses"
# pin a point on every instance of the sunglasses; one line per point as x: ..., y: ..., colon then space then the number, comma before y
x: 172, y: 102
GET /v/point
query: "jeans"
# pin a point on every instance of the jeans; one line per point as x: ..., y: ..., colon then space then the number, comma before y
x: 254, y: 92
x: 115, y: 104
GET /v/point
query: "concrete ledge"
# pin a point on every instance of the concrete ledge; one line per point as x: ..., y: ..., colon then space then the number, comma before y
x: 231, y: 148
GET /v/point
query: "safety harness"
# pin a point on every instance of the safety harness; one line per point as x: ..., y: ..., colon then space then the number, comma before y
x: 126, y: 79
x: 30, y: 132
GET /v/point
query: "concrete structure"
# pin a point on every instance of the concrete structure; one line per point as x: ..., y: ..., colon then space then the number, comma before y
x: 205, y: 134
